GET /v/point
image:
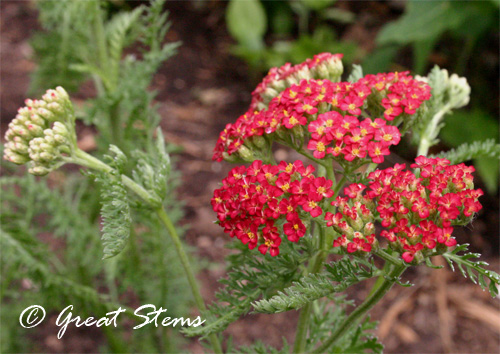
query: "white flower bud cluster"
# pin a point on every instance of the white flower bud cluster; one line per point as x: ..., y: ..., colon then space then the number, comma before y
x: 39, y: 134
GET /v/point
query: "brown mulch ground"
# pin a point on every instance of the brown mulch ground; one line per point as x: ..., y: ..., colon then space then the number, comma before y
x: 201, y: 90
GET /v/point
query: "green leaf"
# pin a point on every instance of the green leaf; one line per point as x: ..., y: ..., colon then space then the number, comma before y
x: 487, y: 168
x: 63, y: 286
x: 473, y: 270
x: 317, y: 5
x: 421, y: 20
x: 339, y: 15
x: 115, y: 213
x: 247, y: 22
x: 380, y: 59
x: 421, y: 51
x: 467, y: 151
x: 345, y: 272
x: 468, y: 127
x: 356, y: 73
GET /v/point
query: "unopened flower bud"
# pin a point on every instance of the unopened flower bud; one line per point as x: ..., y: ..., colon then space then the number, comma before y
x: 50, y: 96
x: 298, y: 132
x: 369, y: 228
x: 39, y: 170
x: 356, y: 224
x: 18, y: 130
x: 229, y: 158
x: 46, y: 114
x: 38, y: 120
x: 46, y: 156
x: 34, y: 129
x: 14, y: 157
x: 269, y: 94
x: 60, y: 139
x: 39, y: 104
x: 60, y: 128
x: 303, y: 74
x: 55, y: 107
x: 246, y: 154
x: 17, y: 147
x: 259, y: 141
x: 330, y: 67
x: 62, y: 93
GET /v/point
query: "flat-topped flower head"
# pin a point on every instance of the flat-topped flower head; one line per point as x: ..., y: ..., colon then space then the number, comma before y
x: 416, y: 211
x: 258, y: 203
x: 331, y: 118
x: 321, y: 66
x: 42, y: 132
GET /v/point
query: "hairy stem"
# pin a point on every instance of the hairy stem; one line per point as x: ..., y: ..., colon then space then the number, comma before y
x: 358, y: 314
x: 87, y: 160
x: 162, y: 215
x: 315, y: 266
x: 428, y: 137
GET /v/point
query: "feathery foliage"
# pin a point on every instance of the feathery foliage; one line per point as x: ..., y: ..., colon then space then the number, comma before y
x: 250, y: 277
x: 115, y: 208
x: 345, y: 272
x: 87, y: 40
x: 327, y: 316
x: 466, y: 152
x: 115, y: 212
x: 65, y: 288
x: 153, y: 168
x: 473, y: 269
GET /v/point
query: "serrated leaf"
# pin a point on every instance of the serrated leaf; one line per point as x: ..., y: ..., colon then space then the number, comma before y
x: 473, y: 270
x: 115, y: 214
x: 311, y: 287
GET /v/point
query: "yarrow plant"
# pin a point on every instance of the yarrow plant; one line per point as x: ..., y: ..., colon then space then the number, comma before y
x: 289, y: 216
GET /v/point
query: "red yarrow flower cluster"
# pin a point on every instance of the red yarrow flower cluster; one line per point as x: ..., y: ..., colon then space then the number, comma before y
x: 347, y: 137
x: 311, y: 103
x: 257, y: 202
x: 416, y: 212
x: 278, y: 79
x: 403, y: 94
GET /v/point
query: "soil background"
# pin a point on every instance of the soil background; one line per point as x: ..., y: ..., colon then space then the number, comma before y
x: 203, y: 88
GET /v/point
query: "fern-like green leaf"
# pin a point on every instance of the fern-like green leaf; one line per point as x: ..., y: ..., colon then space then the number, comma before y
x: 467, y: 151
x: 260, y: 348
x: 473, y: 270
x: 153, y: 168
x: 251, y: 276
x: 115, y: 213
x: 65, y: 287
x: 217, y: 325
x: 117, y: 34
x: 344, y: 273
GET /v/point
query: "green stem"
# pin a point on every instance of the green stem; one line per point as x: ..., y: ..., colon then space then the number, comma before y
x: 339, y: 186
x: 314, y: 267
x: 305, y: 313
x: 361, y: 310
x: 214, y: 340
x: 100, y: 41
x: 428, y: 137
x: 87, y: 160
